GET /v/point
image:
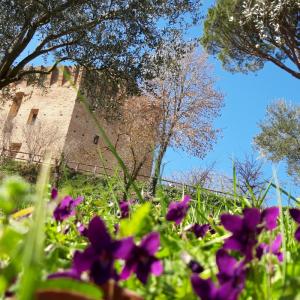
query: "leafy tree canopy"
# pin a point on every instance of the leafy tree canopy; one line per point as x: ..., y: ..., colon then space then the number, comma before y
x: 118, y: 37
x: 279, y: 138
x: 245, y: 34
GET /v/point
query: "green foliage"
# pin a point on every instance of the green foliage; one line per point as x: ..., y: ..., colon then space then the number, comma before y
x: 25, y: 170
x: 279, y: 137
x: 245, y: 34
x: 116, y: 39
x: 13, y: 192
x: 85, y: 290
x: 32, y: 248
x: 33, y: 251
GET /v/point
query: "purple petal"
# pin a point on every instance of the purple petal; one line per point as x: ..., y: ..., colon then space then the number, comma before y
x: 82, y: 261
x: 98, y: 234
x: 204, y: 288
x: 252, y: 218
x: 129, y: 268
x: 225, y: 262
x: 177, y: 211
x: 279, y: 256
x: 275, y: 246
x: 231, y: 222
x: 227, y: 292
x: 66, y: 201
x: 63, y: 209
x: 101, y: 272
x: 200, y: 230
x: 157, y: 268
x: 232, y: 244
x: 295, y: 214
x: 124, y: 207
x: 82, y: 229
x: 142, y: 272
x: 260, y: 250
x: 186, y: 199
x: 297, y: 234
x: 123, y: 248
x: 269, y: 216
x: 77, y: 201
x: 54, y: 193
x: 151, y: 243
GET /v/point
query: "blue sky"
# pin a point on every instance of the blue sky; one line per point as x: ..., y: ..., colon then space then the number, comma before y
x: 246, y: 99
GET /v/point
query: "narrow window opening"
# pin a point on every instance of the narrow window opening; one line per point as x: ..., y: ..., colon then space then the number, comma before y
x: 32, y: 116
x: 15, y: 105
x: 66, y: 75
x: 54, y: 76
x: 96, y: 139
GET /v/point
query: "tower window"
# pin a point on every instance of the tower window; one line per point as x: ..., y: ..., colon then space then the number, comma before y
x: 32, y: 116
x: 15, y: 105
x: 96, y: 139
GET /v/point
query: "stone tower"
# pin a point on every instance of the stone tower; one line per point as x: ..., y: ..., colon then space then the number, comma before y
x: 38, y: 119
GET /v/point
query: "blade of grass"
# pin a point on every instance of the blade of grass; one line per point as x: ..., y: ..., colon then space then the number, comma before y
x: 34, y: 243
x: 278, y: 190
x: 234, y: 182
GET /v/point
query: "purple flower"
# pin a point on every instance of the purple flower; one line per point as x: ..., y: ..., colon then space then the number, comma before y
x: 82, y: 229
x: 124, y: 208
x: 244, y: 231
x: 200, y: 230
x: 269, y: 217
x: 177, y: 210
x: 295, y: 214
x: 195, y: 266
x: 273, y: 248
x: 230, y: 271
x: 207, y: 290
x: 141, y: 259
x: 66, y: 208
x: 98, y: 258
x: 231, y: 278
x: 54, y: 193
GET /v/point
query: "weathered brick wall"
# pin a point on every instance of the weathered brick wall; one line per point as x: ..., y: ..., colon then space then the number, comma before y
x: 54, y: 107
x: 61, y: 124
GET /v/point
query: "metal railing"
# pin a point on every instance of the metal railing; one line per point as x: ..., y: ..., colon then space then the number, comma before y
x: 101, y: 170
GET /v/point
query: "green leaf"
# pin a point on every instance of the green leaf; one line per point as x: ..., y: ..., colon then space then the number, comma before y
x: 33, y: 253
x: 134, y: 226
x: 86, y: 290
x: 12, y: 192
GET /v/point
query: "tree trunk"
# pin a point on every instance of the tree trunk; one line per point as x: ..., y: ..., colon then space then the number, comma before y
x: 154, y: 178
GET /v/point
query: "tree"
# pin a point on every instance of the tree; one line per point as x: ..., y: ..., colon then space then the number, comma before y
x: 279, y: 138
x: 202, y: 177
x: 136, y: 135
x: 118, y: 38
x: 39, y: 138
x: 249, y: 174
x: 188, y: 102
x: 245, y: 34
